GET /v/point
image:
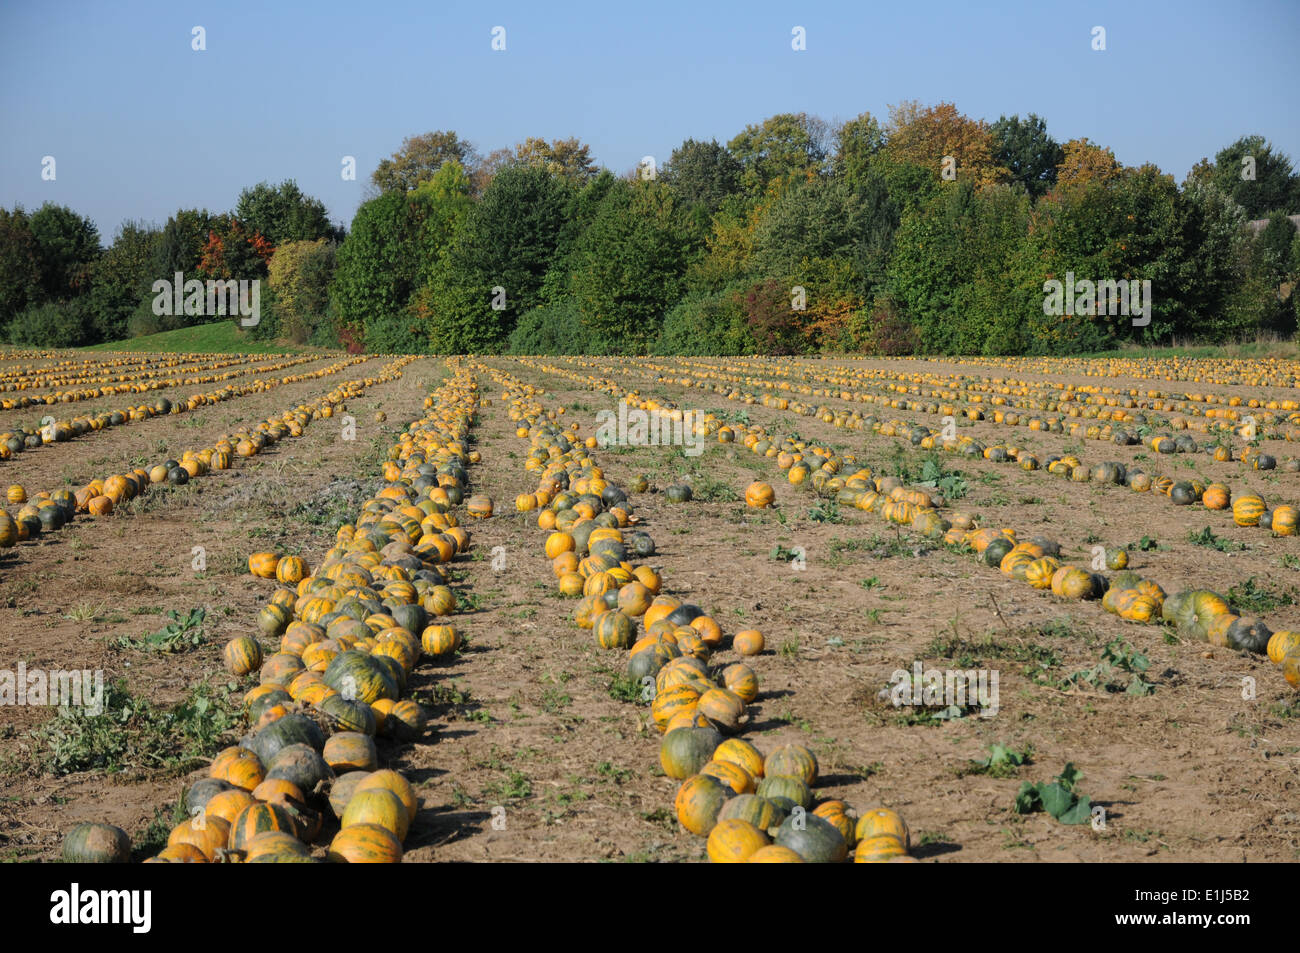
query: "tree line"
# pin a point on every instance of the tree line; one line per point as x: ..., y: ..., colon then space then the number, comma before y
x: 928, y: 233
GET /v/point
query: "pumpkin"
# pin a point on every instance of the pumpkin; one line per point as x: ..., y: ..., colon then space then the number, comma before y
x: 91, y: 843
x: 748, y: 642
x: 295, y: 728
x: 365, y: 844
x: 723, y: 708
x: 356, y: 675
x: 238, y: 766
x: 878, y: 848
x: 678, y: 493
x: 263, y: 565
x: 734, y: 841
x: 300, y: 765
x: 276, y: 847
x: 670, y: 702
x: 1291, y: 668
x: 740, y: 678
x: 732, y: 775
x: 291, y: 570
x: 350, y: 751
x: 784, y: 787
x: 209, y: 835
x: 242, y: 655
x: 397, y: 784
x: 775, y: 854
x: 684, y: 751
x: 742, y: 753
x: 440, y: 640
x: 342, y: 789
x: 379, y: 806
x: 228, y: 804
x: 1249, y: 635
x: 1284, y: 520
x: 1216, y: 497
x: 613, y: 630
x: 256, y: 818
x: 479, y: 506
x: 837, y: 813
x: 759, y: 495
x: 1280, y: 644
x: 698, y: 802
x: 813, y: 838
x: 882, y: 820
x: 406, y: 721
x: 1247, y: 509
x: 181, y: 854
x: 794, y: 761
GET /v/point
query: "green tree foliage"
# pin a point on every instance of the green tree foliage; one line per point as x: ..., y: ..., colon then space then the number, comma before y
x: 1275, y: 186
x: 507, y: 241
x: 630, y: 265
x: 1024, y: 148
x: 122, y: 278
x: 708, y: 324
x: 52, y: 324
x: 780, y: 147
x: 702, y: 174
x: 298, y: 282
x: 282, y: 213
x: 180, y: 246
x: 20, y: 270
x: 67, y: 246
x: 419, y: 158
x: 954, y: 274
x: 377, y: 264
x: 566, y: 158
x: 823, y: 218
x: 553, y: 329
x: 857, y: 145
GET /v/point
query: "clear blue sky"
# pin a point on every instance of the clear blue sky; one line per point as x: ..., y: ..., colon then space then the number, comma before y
x: 140, y: 124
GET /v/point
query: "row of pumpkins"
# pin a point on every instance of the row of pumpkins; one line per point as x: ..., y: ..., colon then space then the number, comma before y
x: 1200, y: 615
x: 748, y: 807
x: 63, y: 430
x: 1252, y: 372
x: 1249, y: 455
x: 1226, y: 421
x: 152, y: 376
x: 49, y: 511
x: 350, y: 634
x: 1248, y: 509
x: 1001, y: 386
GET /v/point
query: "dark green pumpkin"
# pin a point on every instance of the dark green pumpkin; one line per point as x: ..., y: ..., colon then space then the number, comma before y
x: 202, y: 791
x: 995, y: 551
x: 276, y: 696
x: 302, y: 766
x: 757, y: 810
x: 349, y: 715
x: 678, y: 493
x: 1182, y: 493
x: 813, y: 838
x: 412, y: 618
x: 360, y: 676
x: 96, y: 844
x: 684, y: 751
x: 785, y: 786
x: 294, y: 728
x: 1249, y: 635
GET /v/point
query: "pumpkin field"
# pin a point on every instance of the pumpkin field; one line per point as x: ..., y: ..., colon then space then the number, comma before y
x: 322, y: 606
